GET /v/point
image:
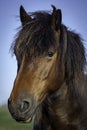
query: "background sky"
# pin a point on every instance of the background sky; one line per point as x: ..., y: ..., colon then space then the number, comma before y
x: 74, y: 13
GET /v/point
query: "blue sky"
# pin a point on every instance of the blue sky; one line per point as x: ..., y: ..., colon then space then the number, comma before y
x: 74, y: 16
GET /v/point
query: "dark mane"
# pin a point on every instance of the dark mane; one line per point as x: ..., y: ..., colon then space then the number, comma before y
x: 75, y: 65
x: 30, y: 43
x: 76, y: 52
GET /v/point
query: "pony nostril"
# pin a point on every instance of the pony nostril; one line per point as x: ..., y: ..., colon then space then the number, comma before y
x: 24, y: 106
x: 9, y: 101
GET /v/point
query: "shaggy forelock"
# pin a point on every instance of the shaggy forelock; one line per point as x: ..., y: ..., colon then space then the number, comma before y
x: 35, y: 37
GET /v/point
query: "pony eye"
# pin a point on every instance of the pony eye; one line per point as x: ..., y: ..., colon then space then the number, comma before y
x: 50, y: 54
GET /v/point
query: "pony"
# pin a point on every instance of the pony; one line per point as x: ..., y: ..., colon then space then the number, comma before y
x: 50, y: 87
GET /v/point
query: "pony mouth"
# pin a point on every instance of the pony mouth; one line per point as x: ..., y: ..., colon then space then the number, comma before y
x: 29, y: 120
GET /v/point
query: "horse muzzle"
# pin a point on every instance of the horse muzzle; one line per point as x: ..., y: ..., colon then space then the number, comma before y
x: 22, y: 110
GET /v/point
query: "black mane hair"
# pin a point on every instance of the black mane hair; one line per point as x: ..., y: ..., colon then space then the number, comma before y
x: 36, y: 36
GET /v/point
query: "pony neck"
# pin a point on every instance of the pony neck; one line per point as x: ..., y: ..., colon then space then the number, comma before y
x: 63, y: 110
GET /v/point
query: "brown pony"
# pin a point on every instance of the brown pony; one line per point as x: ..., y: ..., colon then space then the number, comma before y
x: 50, y: 86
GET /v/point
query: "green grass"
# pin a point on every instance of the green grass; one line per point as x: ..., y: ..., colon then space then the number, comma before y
x: 7, y: 123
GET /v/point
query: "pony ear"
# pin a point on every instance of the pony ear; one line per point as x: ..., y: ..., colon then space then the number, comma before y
x: 24, y: 17
x: 56, y: 18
